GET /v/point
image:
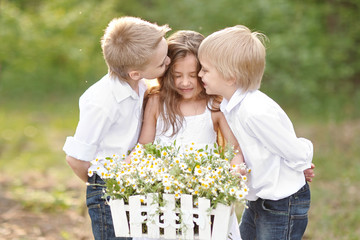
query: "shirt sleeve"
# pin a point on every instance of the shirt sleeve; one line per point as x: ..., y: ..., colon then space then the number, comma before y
x: 94, y: 123
x: 278, y: 137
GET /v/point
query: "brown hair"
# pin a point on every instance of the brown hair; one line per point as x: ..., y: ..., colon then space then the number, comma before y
x: 180, y: 44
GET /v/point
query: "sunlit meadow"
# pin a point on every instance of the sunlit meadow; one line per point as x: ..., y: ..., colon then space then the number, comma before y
x: 31, y: 140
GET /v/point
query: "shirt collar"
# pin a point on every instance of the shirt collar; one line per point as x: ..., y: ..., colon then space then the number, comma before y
x: 236, y: 98
x: 122, y: 89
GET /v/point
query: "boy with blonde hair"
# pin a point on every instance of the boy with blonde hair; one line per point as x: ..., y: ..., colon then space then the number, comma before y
x: 233, y: 63
x: 111, y: 109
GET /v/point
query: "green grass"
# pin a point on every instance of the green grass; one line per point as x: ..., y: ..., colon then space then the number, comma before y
x: 334, y: 210
x: 31, y: 157
x: 31, y: 137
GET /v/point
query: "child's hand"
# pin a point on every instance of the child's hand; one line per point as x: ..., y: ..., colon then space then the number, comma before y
x: 238, y: 164
x: 138, y: 147
x: 128, y: 159
x: 240, y: 168
x: 309, y: 173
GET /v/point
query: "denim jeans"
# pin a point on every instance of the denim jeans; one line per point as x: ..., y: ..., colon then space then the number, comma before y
x: 99, y: 211
x: 284, y: 219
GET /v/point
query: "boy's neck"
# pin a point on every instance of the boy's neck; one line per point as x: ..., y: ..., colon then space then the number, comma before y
x: 230, y: 93
x: 134, y: 85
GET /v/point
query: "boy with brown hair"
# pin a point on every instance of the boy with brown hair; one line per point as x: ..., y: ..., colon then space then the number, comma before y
x: 233, y: 63
x: 111, y: 109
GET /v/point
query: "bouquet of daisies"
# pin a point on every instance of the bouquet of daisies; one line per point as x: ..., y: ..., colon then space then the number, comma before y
x: 202, y: 173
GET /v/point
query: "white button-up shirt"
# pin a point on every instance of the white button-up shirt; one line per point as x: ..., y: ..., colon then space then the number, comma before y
x: 276, y: 156
x: 110, y: 120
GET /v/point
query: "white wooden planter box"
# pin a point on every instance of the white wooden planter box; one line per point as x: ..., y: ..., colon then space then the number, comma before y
x: 168, y: 219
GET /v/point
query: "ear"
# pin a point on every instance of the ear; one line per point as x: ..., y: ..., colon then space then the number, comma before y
x: 135, y: 75
x: 231, y: 81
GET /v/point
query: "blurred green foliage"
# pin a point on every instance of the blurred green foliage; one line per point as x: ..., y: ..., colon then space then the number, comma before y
x: 50, y: 49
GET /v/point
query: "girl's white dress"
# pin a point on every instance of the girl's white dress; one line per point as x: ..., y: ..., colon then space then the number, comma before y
x: 198, y: 129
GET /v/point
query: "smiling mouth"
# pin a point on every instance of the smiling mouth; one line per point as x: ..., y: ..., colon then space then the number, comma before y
x: 186, y: 89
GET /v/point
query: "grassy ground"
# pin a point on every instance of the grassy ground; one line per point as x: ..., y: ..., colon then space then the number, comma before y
x: 42, y: 199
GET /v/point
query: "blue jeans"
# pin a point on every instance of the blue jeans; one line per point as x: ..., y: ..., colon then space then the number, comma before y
x: 284, y: 219
x: 99, y: 211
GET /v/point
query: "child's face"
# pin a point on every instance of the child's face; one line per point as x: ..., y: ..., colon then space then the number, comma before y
x: 213, y: 81
x: 185, y: 77
x: 158, y: 63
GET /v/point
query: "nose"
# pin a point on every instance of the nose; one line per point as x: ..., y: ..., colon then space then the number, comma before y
x: 185, y: 81
x: 200, y: 73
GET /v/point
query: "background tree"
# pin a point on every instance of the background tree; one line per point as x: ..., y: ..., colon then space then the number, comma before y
x: 50, y: 49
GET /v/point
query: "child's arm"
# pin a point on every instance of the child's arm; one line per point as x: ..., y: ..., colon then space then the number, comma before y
x: 79, y: 167
x: 148, y: 129
x: 277, y: 135
x: 81, y: 148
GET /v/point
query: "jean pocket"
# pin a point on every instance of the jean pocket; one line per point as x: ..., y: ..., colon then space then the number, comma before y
x: 300, y: 205
x: 300, y: 209
x: 95, y: 209
x: 97, y: 224
x: 299, y: 217
x: 280, y: 207
x: 298, y: 225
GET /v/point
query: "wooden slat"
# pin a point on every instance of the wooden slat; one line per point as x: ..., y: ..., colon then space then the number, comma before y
x: 135, y: 216
x: 120, y: 221
x: 221, y: 222
x: 153, y: 229
x: 169, y: 217
x: 187, y: 216
x: 204, y: 219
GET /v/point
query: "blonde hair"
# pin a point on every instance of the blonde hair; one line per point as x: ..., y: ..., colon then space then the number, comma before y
x: 128, y: 43
x: 236, y: 52
x: 180, y: 44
